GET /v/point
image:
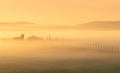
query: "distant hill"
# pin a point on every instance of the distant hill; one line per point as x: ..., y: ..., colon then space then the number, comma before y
x: 100, y: 25
x: 27, y: 26
x: 96, y: 25
x: 15, y: 23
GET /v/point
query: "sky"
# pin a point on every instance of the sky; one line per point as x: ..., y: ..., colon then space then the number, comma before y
x: 59, y: 12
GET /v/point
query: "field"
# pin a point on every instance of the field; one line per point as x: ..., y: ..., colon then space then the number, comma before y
x: 58, y: 57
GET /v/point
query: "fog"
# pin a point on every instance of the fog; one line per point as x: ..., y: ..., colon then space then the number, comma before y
x: 55, y: 56
x: 41, y: 49
x: 62, y: 33
x: 67, y: 51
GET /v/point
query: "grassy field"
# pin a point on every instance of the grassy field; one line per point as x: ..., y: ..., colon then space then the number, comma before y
x: 51, y: 57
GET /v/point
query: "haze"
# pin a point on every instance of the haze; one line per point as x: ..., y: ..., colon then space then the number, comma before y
x: 59, y: 12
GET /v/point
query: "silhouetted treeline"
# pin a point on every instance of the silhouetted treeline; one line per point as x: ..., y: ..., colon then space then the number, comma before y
x: 112, y: 46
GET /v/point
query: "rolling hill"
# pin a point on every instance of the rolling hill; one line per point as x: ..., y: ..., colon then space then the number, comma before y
x: 100, y: 25
x: 96, y: 25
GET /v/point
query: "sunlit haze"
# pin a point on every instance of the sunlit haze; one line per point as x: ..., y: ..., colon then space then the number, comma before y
x: 59, y: 12
x: 59, y: 36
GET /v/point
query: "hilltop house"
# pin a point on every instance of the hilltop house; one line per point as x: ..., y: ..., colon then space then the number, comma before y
x: 19, y: 38
x: 34, y: 38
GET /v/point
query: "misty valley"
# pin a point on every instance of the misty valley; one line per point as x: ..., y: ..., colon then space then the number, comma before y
x: 59, y: 36
x: 60, y: 56
x: 59, y: 51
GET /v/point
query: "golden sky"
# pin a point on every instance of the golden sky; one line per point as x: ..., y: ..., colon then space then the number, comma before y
x: 65, y: 12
